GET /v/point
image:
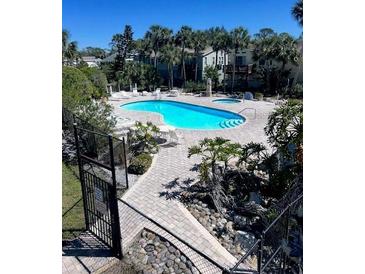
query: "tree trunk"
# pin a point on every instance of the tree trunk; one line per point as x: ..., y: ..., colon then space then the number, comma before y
x: 216, y: 58
x: 183, y: 66
x: 155, y: 59
x: 196, y: 68
x: 216, y: 65
x: 224, y: 72
x: 234, y: 70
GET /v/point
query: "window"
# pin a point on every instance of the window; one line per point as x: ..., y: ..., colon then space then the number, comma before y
x: 213, y: 60
x: 205, y: 60
x: 240, y: 60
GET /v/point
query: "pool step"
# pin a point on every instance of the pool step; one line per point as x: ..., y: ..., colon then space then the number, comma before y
x: 230, y: 123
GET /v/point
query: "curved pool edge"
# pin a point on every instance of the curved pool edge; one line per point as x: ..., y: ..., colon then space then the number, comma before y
x: 245, y: 119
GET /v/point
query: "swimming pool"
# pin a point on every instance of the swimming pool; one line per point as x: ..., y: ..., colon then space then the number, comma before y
x: 227, y: 101
x: 188, y: 116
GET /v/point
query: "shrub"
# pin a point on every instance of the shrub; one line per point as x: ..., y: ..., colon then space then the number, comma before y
x: 76, y: 88
x: 259, y: 96
x: 191, y: 86
x: 98, y: 79
x: 212, y: 73
x: 99, y: 114
x: 297, y: 91
x: 140, y: 164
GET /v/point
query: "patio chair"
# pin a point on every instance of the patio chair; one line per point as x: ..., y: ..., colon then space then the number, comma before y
x: 124, y: 123
x: 120, y: 95
x: 157, y: 93
x: 248, y: 96
x: 169, y: 133
x: 173, y: 93
x: 135, y: 92
x: 145, y: 93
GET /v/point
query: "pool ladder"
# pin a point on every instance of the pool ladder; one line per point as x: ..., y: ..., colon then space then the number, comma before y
x: 248, y: 109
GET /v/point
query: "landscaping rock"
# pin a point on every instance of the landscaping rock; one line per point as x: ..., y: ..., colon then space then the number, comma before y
x: 153, y: 254
x: 244, y: 239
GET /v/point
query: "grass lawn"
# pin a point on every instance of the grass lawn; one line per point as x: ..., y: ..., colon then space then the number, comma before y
x: 73, y: 221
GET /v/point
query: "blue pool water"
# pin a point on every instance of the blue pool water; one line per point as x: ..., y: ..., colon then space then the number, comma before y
x: 188, y: 116
x: 227, y: 101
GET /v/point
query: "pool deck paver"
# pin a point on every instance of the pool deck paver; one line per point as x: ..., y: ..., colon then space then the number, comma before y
x: 153, y: 194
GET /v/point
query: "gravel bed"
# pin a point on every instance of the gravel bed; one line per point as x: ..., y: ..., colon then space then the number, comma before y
x: 154, y: 254
x: 227, y: 231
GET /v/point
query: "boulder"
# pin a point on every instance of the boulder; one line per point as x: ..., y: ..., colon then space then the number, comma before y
x: 244, y: 239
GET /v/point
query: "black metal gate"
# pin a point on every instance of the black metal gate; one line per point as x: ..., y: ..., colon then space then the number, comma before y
x: 99, y: 186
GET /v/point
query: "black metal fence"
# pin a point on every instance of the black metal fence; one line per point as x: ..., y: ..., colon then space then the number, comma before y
x: 99, y: 189
x: 102, y: 162
x: 94, y: 144
x: 268, y: 252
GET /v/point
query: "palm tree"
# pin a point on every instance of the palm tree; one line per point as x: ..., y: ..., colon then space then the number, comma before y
x: 183, y: 39
x: 65, y: 38
x: 225, y: 45
x: 285, y: 50
x: 213, y: 36
x: 170, y: 55
x: 215, y: 41
x: 240, y: 40
x: 263, y: 44
x: 69, y: 49
x: 144, y: 49
x: 198, y: 43
x: 297, y: 11
x: 157, y: 36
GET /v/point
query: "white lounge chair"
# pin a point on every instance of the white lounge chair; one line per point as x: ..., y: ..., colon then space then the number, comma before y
x: 120, y: 95
x: 157, y: 93
x: 124, y: 123
x: 135, y: 92
x: 174, y: 93
x: 169, y: 132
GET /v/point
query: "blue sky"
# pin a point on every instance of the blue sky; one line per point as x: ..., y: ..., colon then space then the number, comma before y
x: 93, y: 22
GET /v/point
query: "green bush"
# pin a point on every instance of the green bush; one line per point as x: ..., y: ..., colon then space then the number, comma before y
x: 140, y: 164
x: 98, y: 79
x: 212, y: 73
x: 259, y: 96
x: 297, y: 91
x: 97, y: 113
x: 76, y: 88
x: 191, y: 86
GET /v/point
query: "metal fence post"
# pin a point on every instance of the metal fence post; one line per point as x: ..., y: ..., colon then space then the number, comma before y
x: 81, y: 175
x: 125, y: 163
x: 259, y: 259
x: 114, y: 205
x: 286, y: 236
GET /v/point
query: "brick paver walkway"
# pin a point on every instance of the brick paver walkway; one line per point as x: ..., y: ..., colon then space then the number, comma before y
x: 154, y: 194
x: 86, y: 254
